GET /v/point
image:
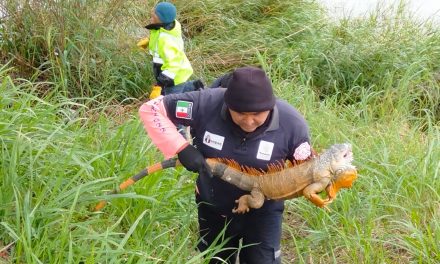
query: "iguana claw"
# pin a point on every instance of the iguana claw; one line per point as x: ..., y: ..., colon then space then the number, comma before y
x: 328, y: 201
x: 241, y: 208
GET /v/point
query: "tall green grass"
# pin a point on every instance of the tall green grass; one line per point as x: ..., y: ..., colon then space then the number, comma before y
x: 80, y: 48
x: 71, y: 83
x: 56, y: 166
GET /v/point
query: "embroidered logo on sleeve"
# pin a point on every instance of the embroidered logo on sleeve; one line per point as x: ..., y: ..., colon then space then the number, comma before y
x: 302, y: 152
x: 184, y: 109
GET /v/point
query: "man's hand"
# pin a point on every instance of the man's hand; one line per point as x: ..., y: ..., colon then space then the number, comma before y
x: 164, y: 80
x: 194, y: 161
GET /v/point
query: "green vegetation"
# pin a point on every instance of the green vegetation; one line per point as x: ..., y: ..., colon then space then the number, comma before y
x: 72, y: 81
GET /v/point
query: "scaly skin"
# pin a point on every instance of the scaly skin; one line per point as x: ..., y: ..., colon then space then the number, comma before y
x: 329, y: 172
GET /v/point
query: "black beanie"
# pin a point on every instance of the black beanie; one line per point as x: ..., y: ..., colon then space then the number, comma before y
x: 249, y: 90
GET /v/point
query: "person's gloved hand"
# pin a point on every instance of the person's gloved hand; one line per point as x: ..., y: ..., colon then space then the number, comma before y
x: 143, y: 43
x: 194, y: 161
x: 155, y: 91
x: 164, y: 80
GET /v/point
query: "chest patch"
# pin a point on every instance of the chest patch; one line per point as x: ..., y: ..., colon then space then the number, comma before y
x: 265, y: 150
x: 184, y: 109
x: 213, y: 140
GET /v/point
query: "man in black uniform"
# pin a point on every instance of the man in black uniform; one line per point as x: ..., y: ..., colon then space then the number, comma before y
x: 245, y: 123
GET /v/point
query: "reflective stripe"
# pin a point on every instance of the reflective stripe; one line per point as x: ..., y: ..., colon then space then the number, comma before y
x: 204, y: 241
x: 157, y: 60
x: 177, y: 40
x: 169, y: 74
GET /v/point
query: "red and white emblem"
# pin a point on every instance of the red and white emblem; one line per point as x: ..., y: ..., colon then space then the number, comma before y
x: 303, y: 151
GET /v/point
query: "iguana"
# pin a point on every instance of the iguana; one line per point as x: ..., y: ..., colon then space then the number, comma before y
x: 329, y: 171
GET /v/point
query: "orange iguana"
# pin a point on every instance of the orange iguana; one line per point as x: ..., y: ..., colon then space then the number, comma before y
x: 329, y: 171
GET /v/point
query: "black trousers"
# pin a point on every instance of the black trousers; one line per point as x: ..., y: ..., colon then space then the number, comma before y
x: 259, y: 229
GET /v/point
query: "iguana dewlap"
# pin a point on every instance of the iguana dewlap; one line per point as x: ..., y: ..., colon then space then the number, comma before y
x: 330, y: 171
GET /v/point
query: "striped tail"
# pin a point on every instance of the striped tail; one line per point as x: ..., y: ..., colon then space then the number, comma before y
x: 169, y: 163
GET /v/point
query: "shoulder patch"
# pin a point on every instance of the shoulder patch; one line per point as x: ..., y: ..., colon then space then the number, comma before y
x: 184, y: 109
x: 303, y: 151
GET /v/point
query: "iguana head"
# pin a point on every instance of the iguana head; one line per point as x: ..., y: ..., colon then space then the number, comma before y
x: 337, y: 160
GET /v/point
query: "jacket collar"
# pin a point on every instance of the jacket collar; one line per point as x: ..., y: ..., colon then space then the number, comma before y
x: 166, y: 26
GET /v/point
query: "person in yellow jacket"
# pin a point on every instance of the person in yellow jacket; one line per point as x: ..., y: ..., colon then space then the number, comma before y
x: 171, y: 67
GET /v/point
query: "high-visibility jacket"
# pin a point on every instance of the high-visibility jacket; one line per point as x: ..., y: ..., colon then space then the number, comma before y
x: 167, y: 49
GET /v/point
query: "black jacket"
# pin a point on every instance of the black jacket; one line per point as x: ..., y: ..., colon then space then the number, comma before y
x: 216, y: 136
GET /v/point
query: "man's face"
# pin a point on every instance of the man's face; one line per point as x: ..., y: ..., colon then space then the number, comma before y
x: 249, y: 121
x: 154, y: 19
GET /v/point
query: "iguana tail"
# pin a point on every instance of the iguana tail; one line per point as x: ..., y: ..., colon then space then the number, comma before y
x: 230, y: 171
x: 169, y: 163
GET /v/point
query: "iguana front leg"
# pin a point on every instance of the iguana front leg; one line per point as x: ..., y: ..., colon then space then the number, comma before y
x: 331, y: 194
x: 343, y: 180
x: 247, y: 201
x: 312, y: 190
